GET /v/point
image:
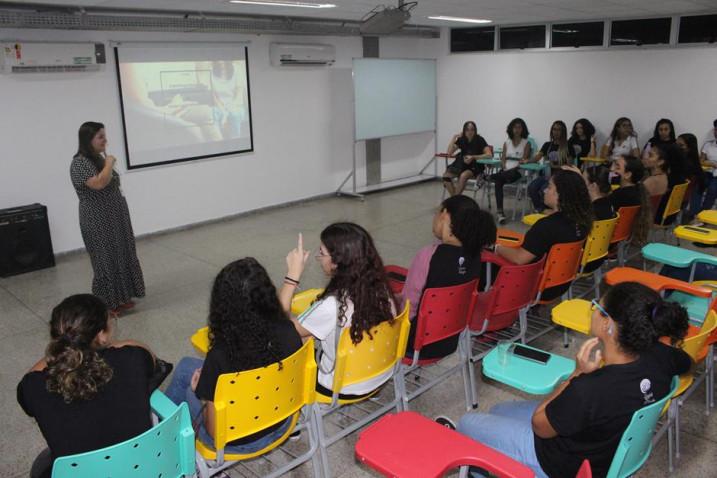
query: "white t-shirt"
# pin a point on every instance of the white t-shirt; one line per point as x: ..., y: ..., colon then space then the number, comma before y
x: 623, y: 148
x: 321, y: 320
x: 514, y: 153
x: 710, y: 150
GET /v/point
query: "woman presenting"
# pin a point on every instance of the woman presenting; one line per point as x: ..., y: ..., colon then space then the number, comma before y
x: 104, y: 221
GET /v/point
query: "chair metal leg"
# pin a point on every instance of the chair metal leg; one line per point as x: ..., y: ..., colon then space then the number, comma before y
x: 323, y: 446
x: 677, y: 429
x: 471, y: 372
x: 463, y: 472
x: 670, y: 438
x: 566, y: 339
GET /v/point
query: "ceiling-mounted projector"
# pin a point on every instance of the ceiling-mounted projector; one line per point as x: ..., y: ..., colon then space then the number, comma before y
x: 386, y: 21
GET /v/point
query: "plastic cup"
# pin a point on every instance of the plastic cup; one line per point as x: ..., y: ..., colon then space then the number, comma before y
x: 503, y: 352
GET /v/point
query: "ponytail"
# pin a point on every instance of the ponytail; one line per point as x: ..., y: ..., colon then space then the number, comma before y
x: 74, y: 368
x: 670, y: 320
x: 643, y: 221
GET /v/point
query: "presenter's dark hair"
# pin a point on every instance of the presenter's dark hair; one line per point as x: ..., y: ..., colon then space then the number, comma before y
x: 642, y: 317
x: 588, y: 128
x: 87, y: 132
x: 474, y: 227
x: 512, y: 123
x: 467, y: 124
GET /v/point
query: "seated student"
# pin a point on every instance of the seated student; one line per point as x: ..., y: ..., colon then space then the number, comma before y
x: 516, y: 151
x: 687, y: 142
x: 582, y: 139
x: 631, y: 192
x: 248, y: 329
x: 463, y: 230
x: 88, y: 392
x: 664, y: 134
x: 572, y: 220
x: 623, y: 368
x: 470, y: 146
x: 622, y: 141
x: 708, y: 156
x: 557, y: 152
x: 597, y: 181
x: 667, y: 167
x: 357, y: 297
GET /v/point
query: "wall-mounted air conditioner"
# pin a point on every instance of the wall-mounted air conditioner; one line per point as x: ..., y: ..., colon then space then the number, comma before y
x: 38, y: 57
x: 301, y: 54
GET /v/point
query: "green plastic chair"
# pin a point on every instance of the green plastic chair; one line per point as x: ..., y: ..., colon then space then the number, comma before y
x: 636, y: 442
x: 166, y: 450
x: 677, y: 256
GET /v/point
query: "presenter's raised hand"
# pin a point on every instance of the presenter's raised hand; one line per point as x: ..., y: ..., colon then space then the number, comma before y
x: 111, y: 160
x: 296, y: 260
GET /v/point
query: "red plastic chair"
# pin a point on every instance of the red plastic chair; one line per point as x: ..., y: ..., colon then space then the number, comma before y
x: 409, y: 445
x: 585, y: 471
x: 622, y: 235
x: 393, y: 281
x: 443, y: 312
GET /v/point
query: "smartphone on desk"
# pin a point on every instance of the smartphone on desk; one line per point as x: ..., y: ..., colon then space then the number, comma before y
x: 530, y: 354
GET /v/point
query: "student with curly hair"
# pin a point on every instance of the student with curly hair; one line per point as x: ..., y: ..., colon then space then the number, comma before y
x: 557, y: 152
x: 248, y: 329
x: 623, y: 368
x: 571, y: 221
x: 357, y: 297
x: 582, y: 138
x: 516, y: 151
x: 88, y: 392
x: 664, y: 134
x: 463, y: 230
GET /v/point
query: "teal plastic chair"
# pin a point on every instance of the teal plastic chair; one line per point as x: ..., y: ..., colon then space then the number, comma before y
x: 636, y: 442
x: 166, y: 450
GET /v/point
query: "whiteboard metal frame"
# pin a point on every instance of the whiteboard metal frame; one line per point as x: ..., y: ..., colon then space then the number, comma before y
x: 359, y: 193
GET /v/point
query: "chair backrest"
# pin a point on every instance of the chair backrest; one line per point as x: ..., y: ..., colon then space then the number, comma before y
x: 693, y: 345
x: 674, y: 201
x: 625, y: 221
x: 533, y: 147
x: 444, y: 312
x: 636, y: 442
x: 250, y: 401
x: 585, y: 471
x: 377, y: 352
x: 598, y: 242
x: 561, y: 265
x: 515, y: 287
x: 166, y: 450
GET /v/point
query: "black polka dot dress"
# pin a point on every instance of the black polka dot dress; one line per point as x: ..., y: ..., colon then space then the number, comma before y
x: 109, y: 239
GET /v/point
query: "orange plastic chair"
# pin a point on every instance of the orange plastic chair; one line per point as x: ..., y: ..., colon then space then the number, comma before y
x: 622, y: 234
x: 654, y: 281
x: 561, y: 267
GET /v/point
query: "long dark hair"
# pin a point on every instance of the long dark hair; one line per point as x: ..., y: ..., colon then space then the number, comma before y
x: 472, y: 226
x: 613, y: 133
x: 642, y: 317
x: 600, y: 176
x: 513, y: 122
x: 243, y: 311
x: 86, y: 133
x: 359, y: 277
x: 74, y: 368
x: 588, y: 128
x: 574, y: 199
x: 563, y: 150
x: 656, y: 134
x: 674, y: 164
x: 466, y: 125
x: 692, y: 157
x: 643, y: 221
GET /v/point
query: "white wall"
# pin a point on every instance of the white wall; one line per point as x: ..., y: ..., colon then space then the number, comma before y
x: 644, y: 85
x: 302, y: 121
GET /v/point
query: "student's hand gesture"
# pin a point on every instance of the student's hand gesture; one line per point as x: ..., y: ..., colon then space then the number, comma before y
x: 296, y: 260
x: 584, y: 363
x: 573, y: 168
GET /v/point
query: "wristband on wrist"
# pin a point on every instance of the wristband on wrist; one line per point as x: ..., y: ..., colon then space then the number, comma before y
x: 289, y: 280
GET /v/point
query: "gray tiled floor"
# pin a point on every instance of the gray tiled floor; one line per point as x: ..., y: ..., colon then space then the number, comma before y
x: 179, y: 267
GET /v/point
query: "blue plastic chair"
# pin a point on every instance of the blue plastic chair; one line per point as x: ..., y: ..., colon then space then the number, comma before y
x: 165, y: 450
x: 677, y: 256
x: 636, y: 442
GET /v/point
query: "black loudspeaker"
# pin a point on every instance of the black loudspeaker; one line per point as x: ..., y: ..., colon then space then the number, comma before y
x: 25, y: 243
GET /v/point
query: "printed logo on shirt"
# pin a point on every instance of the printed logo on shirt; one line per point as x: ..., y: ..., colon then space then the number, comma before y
x: 461, y: 267
x: 645, y: 386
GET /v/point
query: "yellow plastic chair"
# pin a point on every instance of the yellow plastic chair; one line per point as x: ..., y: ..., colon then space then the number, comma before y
x: 299, y: 303
x: 253, y: 400
x: 708, y: 216
x: 673, y: 208
x: 378, y: 352
x: 531, y: 219
x: 693, y: 345
x: 597, y: 246
x: 573, y: 314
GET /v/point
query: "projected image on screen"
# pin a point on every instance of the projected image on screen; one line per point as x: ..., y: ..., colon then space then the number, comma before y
x: 183, y: 110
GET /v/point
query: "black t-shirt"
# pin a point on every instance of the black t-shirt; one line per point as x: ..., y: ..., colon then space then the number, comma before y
x: 476, y: 146
x: 551, y: 155
x: 593, y: 411
x: 285, y: 341
x: 603, y: 209
x: 625, y: 196
x: 449, y: 266
x: 118, y: 412
x: 583, y: 144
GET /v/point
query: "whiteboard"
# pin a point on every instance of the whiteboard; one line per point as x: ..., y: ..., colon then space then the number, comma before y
x: 393, y: 97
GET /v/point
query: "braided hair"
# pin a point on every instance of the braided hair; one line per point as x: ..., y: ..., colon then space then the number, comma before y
x: 359, y: 277
x: 74, y: 368
x: 243, y: 311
